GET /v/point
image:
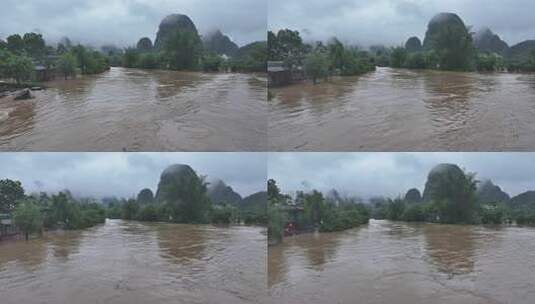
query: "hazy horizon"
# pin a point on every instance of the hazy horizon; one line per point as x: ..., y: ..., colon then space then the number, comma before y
x: 392, y: 22
x: 102, y: 175
x: 124, y: 22
x: 367, y: 175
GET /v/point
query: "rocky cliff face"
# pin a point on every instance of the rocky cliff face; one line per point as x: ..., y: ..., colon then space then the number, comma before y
x: 526, y: 199
x: 439, y: 180
x: 221, y: 193
x: 170, y: 25
x: 486, y: 41
x: 522, y: 51
x: 144, y: 44
x: 220, y: 44
x: 488, y: 192
x: 413, y: 196
x: 439, y: 22
x: 255, y: 203
x: 413, y: 45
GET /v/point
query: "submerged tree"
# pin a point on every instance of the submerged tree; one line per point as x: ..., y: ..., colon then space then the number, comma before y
x: 28, y: 218
x: 316, y: 66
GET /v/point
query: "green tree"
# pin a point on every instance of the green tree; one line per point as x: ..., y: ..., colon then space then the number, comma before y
x: 10, y: 193
x: 149, y: 213
x: 20, y: 68
x: 211, y: 62
x: 130, y: 58
x: 453, y: 44
x: 28, y: 217
x: 395, y: 209
x: 398, y: 57
x: 182, y: 51
x: 316, y: 66
x: 15, y: 44
x: 130, y: 210
x: 67, y: 65
x: 34, y: 45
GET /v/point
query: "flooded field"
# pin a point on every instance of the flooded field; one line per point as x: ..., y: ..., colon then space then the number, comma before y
x: 391, y: 262
x: 130, y: 262
x: 140, y: 110
x: 406, y: 110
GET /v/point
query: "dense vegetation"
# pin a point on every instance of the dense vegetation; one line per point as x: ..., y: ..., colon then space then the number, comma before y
x: 450, y: 45
x: 184, y: 197
x: 180, y: 47
x: 35, y: 212
x: 453, y: 196
x: 310, y: 211
x: 318, y: 60
x: 20, y: 55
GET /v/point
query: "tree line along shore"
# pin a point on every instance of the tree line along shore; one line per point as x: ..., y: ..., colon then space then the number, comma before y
x: 26, y: 61
x: 448, y: 45
x: 450, y: 196
x: 182, y: 197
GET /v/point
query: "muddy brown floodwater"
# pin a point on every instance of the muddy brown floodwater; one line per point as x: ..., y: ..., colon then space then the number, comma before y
x: 130, y: 262
x: 406, y: 110
x: 140, y: 110
x: 391, y: 262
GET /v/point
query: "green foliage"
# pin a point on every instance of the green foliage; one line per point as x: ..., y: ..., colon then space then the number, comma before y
x: 415, y: 213
x: 316, y: 66
x: 225, y: 214
x: 15, y: 44
x: 130, y: 58
x: 395, y: 209
x: 34, y: 45
x: 11, y: 192
x: 149, y: 214
x: 525, y: 217
x: 342, y: 218
x: 130, y: 210
x: 211, y: 62
x: 454, y: 198
x: 19, y: 68
x: 276, y: 221
x: 415, y: 61
x: 286, y: 46
x: 489, y: 62
x: 398, y: 57
x: 453, y: 44
x: 90, y: 62
x: 148, y: 61
x: 182, y: 50
x: 28, y: 217
x: 493, y: 213
x: 250, y: 58
x: 67, y: 65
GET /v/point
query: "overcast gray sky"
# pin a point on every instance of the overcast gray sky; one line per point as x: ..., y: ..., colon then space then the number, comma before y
x: 392, y: 174
x: 123, y: 22
x: 125, y: 174
x: 391, y: 22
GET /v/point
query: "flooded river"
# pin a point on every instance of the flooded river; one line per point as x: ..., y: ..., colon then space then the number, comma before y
x: 387, y: 262
x: 406, y: 110
x: 140, y: 110
x: 130, y: 262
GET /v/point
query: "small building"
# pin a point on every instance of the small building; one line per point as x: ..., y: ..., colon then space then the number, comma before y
x: 278, y: 74
x: 7, y: 227
x: 42, y: 73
